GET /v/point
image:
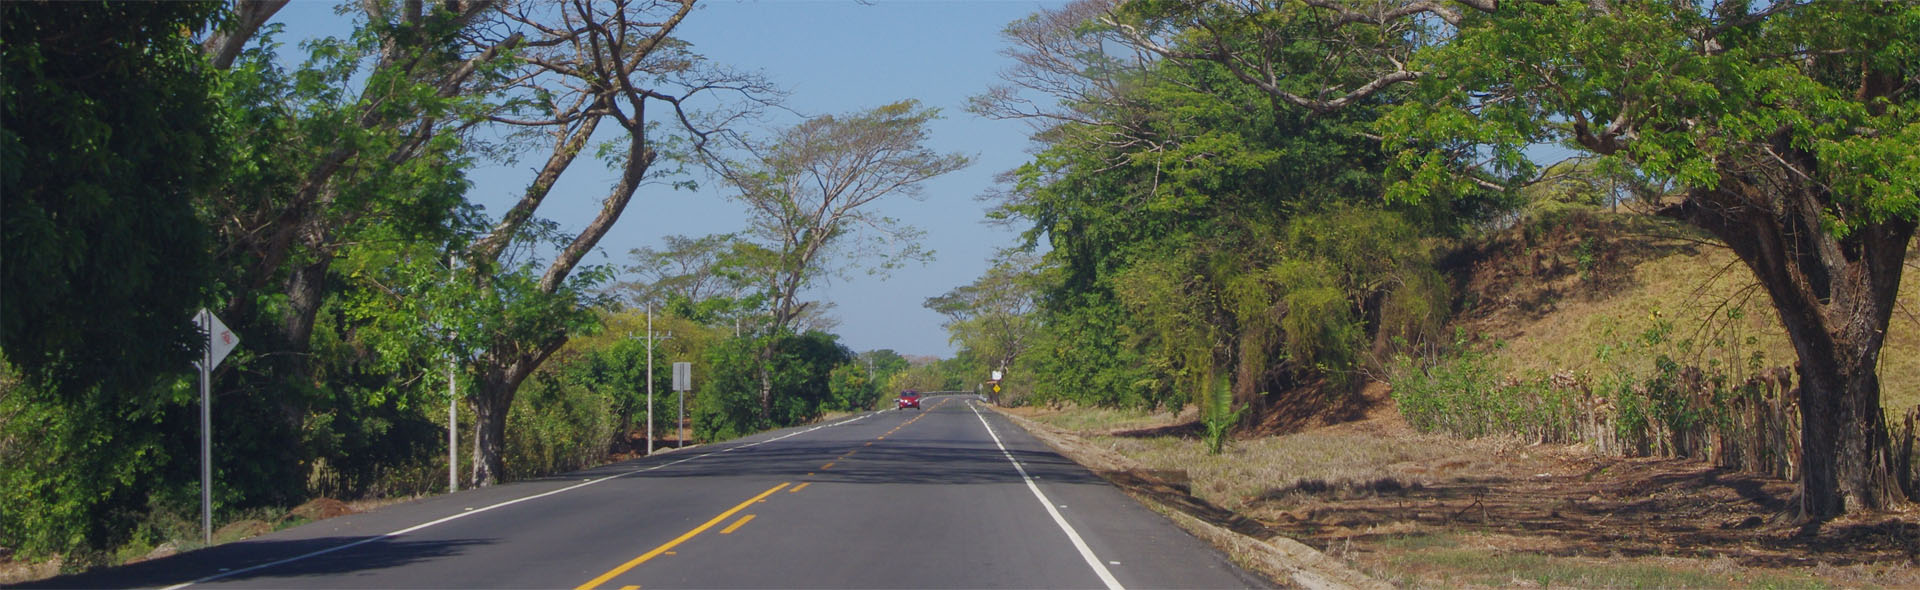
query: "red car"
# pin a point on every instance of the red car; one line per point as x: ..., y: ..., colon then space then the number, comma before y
x: 909, y: 399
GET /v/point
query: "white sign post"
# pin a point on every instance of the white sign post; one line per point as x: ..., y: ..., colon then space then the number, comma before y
x: 682, y: 382
x: 220, y: 342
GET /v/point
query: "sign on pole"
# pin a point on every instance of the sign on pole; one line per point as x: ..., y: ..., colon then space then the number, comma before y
x: 220, y: 341
x: 996, y: 376
x: 683, y: 376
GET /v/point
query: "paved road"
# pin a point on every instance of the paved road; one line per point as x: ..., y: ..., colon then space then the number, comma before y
x: 953, y: 496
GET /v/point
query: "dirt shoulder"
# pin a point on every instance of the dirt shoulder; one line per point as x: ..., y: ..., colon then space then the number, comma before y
x: 1416, y: 510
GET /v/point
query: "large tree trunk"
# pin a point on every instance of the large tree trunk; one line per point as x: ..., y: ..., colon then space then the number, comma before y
x: 500, y: 379
x: 1834, y: 296
x: 490, y: 405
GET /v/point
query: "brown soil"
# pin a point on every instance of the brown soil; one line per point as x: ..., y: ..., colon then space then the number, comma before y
x: 1523, y: 273
x: 1554, y: 500
x: 319, y: 509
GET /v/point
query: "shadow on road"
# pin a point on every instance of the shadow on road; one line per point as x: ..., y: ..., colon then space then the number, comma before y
x: 190, y: 566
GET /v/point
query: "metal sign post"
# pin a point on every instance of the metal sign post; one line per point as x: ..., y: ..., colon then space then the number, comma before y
x: 220, y: 342
x: 682, y: 381
x: 453, y: 426
x: 650, y: 339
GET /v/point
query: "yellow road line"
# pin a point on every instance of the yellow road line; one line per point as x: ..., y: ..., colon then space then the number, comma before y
x: 829, y: 465
x: 802, y: 486
x: 737, y: 524
x: 676, y: 542
x: 630, y: 587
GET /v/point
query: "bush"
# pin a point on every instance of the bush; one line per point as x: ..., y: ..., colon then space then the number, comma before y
x: 555, y: 426
x: 801, y: 375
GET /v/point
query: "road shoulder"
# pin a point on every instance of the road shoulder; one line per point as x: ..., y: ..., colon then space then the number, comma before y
x: 1284, y: 561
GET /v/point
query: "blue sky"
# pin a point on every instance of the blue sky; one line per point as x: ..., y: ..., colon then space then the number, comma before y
x: 834, y: 57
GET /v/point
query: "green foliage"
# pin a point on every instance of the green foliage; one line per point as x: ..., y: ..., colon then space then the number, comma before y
x: 1200, y: 230
x: 853, y: 388
x: 1219, y: 418
x: 1465, y: 396
x: 1083, y: 356
x: 557, y: 426
x: 74, y: 474
x: 802, y: 372
x: 109, y: 134
x: 728, y: 404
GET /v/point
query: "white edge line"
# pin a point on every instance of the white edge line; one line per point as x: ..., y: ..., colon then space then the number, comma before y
x: 443, y: 520
x: 1099, y: 567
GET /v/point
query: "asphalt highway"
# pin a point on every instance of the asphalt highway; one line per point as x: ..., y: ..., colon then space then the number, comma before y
x: 952, y: 496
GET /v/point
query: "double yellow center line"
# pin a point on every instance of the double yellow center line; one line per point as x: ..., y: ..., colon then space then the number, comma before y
x: 669, y: 545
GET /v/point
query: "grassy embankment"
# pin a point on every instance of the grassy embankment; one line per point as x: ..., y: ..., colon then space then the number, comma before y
x: 1427, y: 510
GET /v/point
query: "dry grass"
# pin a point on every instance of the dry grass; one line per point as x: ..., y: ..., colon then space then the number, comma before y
x: 1471, y: 560
x: 1719, y: 317
x: 1251, y: 469
x: 1103, y: 420
x: 1423, y: 511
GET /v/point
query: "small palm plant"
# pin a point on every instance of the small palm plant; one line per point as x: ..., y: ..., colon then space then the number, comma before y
x: 1219, y: 415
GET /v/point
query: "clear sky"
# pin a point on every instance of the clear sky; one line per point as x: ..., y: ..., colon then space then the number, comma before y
x: 834, y: 56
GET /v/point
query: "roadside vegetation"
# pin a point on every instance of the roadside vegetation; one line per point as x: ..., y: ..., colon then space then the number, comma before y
x: 160, y: 158
x: 1687, y: 338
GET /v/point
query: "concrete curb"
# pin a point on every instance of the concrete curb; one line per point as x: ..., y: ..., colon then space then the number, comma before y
x: 1281, y: 559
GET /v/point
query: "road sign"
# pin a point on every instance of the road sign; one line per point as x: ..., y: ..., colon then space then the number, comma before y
x: 683, y: 376
x: 996, y: 376
x: 220, y: 340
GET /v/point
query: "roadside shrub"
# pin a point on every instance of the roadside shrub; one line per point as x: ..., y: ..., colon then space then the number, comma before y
x: 1220, y: 416
x: 1750, y: 424
x: 555, y: 426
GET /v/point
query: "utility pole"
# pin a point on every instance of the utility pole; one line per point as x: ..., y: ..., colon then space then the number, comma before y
x: 650, y: 376
x: 453, y: 427
x: 453, y: 402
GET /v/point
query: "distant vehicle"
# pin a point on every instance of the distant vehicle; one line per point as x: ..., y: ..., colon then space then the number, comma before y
x: 909, y: 399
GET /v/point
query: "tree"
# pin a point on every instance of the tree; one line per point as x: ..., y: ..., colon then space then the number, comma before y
x: 1184, y: 209
x: 108, y: 136
x: 708, y: 279
x: 994, y: 317
x: 810, y: 194
x: 107, y: 132
x: 1790, y: 128
x: 610, y: 63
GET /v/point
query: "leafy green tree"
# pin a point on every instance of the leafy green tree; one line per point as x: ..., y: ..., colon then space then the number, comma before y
x: 619, y: 58
x: 1183, y: 206
x: 708, y: 279
x: 885, y: 362
x: 1791, y: 129
x: 994, y: 317
x: 107, y: 132
x: 802, y: 370
x: 810, y: 194
x: 1787, y: 127
x: 853, y: 388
